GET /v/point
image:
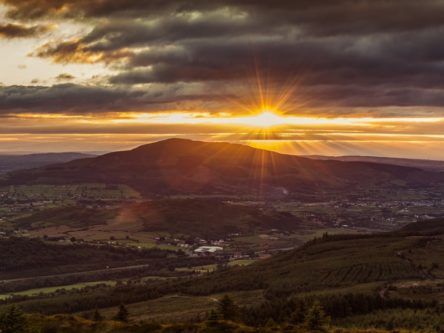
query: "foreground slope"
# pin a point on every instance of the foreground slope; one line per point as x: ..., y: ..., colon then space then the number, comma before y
x: 193, y: 167
x: 387, y: 270
x: 340, y: 261
x: 378, y: 267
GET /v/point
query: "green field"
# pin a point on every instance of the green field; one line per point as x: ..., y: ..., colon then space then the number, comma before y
x: 241, y: 262
x: 183, y: 307
x: 50, y: 290
x: 69, y: 192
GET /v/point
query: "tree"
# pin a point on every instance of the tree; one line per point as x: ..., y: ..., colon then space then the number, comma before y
x: 122, y: 314
x: 12, y: 320
x: 298, y: 314
x: 227, y: 309
x: 97, y: 316
x: 212, y: 316
x: 315, y: 317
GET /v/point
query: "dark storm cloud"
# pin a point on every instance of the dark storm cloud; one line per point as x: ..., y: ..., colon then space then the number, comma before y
x: 320, y: 61
x: 111, y: 38
x: 324, y: 16
x: 377, y: 96
x: 72, y: 98
x: 346, y: 53
x: 33, y: 9
x: 12, y: 30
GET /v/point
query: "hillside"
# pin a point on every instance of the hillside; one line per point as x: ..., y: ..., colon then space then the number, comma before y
x: 431, y: 227
x: 431, y: 165
x: 20, y: 257
x: 177, y: 166
x: 340, y: 261
x: 206, y: 218
x: 350, y: 275
x: 10, y: 163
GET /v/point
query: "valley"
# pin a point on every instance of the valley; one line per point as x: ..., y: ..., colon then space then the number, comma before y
x: 77, y: 248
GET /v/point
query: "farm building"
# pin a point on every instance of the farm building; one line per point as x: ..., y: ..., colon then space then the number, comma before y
x: 208, y: 249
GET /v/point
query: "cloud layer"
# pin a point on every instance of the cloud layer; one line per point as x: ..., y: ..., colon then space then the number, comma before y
x: 344, y: 54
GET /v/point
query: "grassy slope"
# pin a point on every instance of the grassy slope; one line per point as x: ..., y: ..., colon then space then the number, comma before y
x: 208, y: 218
x: 74, y: 324
x: 93, y: 190
x: 337, y: 264
x: 72, y: 216
x: 194, y: 217
x: 21, y: 257
x: 338, y: 261
x: 182, y: 307
x: 409, y: 319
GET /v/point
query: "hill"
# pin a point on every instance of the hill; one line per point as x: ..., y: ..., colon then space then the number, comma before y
x: 22, y: 257
x: 431, y: 227
x: 431, y: 165
x: 341, y: 261
x: 205, y: 218
x: 177, y: 166
x: 10, y: 163
x: 349, y: 275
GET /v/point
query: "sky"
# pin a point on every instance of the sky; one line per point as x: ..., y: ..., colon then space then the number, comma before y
x: 344, y: 77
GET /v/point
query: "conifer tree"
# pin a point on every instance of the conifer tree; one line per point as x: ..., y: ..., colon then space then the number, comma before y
x: 12, y: 320
x: 315, y: 318
x: 227, y: 309
x: 122, y: 314
x: 97, y: 316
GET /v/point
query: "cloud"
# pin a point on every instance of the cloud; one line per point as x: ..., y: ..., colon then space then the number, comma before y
x: 65, y: 77
x: 80, y: 99
x: 321, y: 16
x: 73, y: 51
x: 343, y: 54
x: 12, y: 30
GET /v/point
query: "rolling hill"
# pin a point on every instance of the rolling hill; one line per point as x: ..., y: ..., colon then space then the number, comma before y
x: 178, y: 166
x: 206, y: 218
x: 414, y: 253
x: 10, y: 163
x: 431, y: 165
x: 380, y: 269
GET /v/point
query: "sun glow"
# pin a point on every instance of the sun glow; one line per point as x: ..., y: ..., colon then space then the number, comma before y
x: 265, y: 119
x: 262, y: 120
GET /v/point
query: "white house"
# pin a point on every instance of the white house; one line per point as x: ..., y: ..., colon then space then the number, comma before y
x: 208, y: 249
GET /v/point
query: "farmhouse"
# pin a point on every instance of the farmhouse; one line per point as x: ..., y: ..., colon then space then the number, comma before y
x: 208, y: 249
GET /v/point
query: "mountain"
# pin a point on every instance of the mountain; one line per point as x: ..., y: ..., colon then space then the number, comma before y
x: 177, y: 166
x: 431, y: 165
x: 185, y: 166
x: 10, y: 163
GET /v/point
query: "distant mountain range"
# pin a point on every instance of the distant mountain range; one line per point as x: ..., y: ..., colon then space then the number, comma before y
x: 431, y: 165
x: 10, y: 163
x: 178, y: 166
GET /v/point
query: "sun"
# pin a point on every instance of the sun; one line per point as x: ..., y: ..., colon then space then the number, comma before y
x: 266, y: 118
